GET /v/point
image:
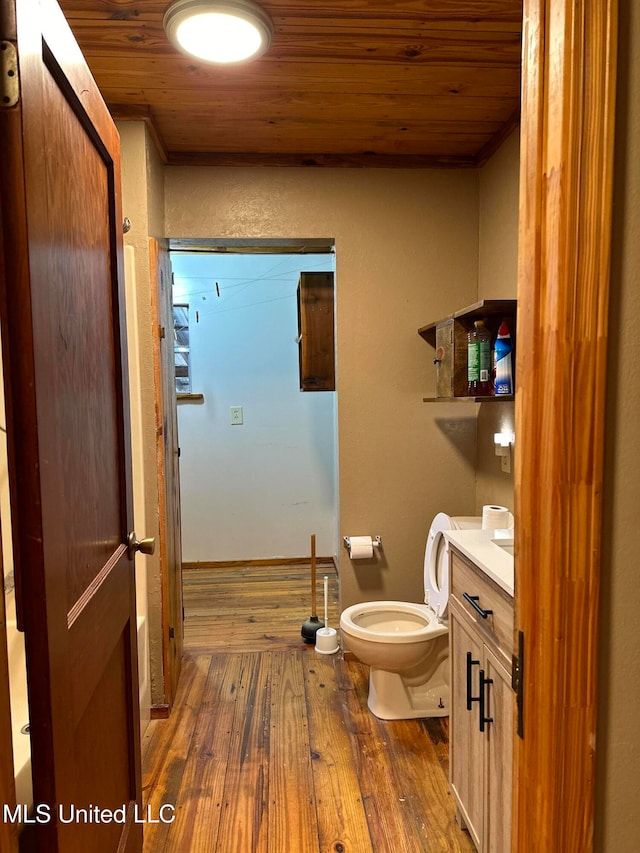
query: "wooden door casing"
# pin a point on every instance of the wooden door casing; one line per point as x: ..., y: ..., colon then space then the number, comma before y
x: 566, y: 180
x: 8, y: 831
x: 167, y: 460
x: 69, y: 458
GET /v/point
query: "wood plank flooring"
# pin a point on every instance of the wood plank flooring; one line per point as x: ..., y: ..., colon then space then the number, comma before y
x: 270, y: 746
x: 252, y: 608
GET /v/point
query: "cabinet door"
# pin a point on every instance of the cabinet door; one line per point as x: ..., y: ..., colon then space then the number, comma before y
x: 315, y: 332
x: 499, y: 750
x: 466, y: 741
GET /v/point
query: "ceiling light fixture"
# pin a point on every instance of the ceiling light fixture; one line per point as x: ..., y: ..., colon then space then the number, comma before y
x: 220, y: 31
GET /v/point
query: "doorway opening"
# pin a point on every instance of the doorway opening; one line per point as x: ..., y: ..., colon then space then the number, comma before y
x: 258, y: 456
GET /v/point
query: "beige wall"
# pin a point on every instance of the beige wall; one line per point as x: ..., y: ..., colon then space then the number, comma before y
x: 143, y: 204
x: 498, y: 222
x: 406, y: 254
x: 155, y: 189
x: 497, y: 279
x: 618, y: 736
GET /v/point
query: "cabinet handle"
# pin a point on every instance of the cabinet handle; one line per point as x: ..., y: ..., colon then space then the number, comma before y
x: 473, y: 601
x: 471, y: 663
x: 484, y: 682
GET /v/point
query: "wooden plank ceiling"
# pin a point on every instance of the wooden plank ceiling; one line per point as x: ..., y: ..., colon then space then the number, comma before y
x: 408, y: 83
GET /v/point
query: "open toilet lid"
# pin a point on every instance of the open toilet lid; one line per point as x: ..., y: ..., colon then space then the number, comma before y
x: 436, y: 559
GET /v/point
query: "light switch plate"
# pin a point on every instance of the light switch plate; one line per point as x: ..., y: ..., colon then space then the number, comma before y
x: 236, y: 415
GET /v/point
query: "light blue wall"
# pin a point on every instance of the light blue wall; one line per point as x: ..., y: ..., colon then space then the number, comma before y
x: 257, y: 490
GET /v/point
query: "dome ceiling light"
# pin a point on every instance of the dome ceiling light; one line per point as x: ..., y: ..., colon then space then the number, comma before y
x: 222, y: 32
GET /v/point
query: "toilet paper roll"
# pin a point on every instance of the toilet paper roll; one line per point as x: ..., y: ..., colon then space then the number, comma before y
x: 360, y: 547
x: 494, y: 517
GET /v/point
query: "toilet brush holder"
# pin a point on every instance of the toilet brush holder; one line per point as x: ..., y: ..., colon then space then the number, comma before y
x: 327, y: 641
x: 326, y: 638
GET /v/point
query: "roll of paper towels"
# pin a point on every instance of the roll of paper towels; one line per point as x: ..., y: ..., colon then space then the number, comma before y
x: 360, y: 547
x: 494, y: 517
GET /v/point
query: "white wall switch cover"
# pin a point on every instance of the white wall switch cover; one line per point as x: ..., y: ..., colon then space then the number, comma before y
x: 236, y: 415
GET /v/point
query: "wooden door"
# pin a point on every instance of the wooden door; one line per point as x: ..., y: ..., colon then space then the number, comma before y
x: 64, y: 351
x: 167, y: 457
x: 466, y: 759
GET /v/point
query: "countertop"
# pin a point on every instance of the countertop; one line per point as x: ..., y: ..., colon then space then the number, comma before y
x: 490, y: 558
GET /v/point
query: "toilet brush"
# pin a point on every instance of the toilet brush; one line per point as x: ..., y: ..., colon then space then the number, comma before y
x: 326, y: 638
x: 311, y: 626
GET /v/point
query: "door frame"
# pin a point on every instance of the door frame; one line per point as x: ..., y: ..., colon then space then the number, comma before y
x: 566, y: 179
x: 169, y: 531
x: 8, y: 831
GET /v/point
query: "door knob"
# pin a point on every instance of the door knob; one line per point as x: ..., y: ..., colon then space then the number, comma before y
x: 145, y: 546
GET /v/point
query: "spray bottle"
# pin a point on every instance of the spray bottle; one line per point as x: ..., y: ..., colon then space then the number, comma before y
x: 504, y: 369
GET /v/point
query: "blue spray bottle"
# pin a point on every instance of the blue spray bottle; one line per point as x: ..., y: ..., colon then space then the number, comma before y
x: 503, y: 355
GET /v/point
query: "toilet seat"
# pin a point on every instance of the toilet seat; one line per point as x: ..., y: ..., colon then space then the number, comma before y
x: 412, y: 622
x: 436, y: 559
x: 436, y: 565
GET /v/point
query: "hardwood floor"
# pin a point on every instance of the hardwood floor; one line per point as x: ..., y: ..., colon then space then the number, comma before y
x: 252, y: 607
x: 270, y: 746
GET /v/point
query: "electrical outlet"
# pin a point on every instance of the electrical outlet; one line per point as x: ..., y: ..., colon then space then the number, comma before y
x: 505, y: 463
x: 236, y: 415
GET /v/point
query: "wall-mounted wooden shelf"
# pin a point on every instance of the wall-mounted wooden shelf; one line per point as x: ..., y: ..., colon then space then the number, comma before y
x: 449, y: 338
x: 190, y: 398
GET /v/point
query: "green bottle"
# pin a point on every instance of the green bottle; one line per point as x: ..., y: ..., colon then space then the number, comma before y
x: 479, y: 361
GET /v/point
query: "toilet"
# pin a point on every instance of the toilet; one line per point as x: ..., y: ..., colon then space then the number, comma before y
x: 406, y: 644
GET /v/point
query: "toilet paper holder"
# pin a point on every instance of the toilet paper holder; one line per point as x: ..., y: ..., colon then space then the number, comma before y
x: 376, y: 541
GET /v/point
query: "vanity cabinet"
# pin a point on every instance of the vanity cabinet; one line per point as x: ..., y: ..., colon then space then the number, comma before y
x: 481, y: 725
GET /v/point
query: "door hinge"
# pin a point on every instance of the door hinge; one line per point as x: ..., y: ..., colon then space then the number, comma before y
x: 161, y: 332
x: 517, y: 683
x: 9, y: 78
x: 172, y: 633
